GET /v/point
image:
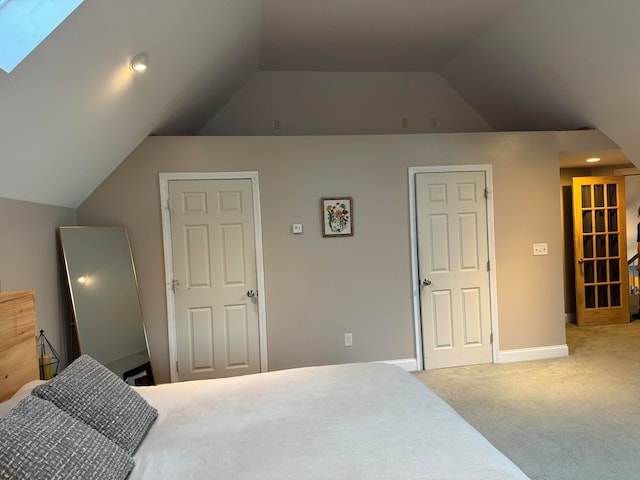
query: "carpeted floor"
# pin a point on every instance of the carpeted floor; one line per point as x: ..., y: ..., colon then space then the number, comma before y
x: 576, y: 417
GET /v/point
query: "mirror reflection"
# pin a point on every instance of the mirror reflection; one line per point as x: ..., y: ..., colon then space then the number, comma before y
x: 104, y: 296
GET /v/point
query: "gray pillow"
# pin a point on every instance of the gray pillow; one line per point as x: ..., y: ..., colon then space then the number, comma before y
x: 93, y: 394
x: 39, y: 441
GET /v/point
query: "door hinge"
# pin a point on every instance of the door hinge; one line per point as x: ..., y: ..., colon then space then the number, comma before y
x: 486, y: 193
x: 169, y: 205
x: 177, y: 366
x: 488, y: 265
x: 491, y: 338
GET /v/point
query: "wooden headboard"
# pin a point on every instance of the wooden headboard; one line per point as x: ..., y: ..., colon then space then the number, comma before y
x: 18, y: 350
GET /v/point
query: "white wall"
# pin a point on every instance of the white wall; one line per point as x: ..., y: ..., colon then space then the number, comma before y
x: 338, y: 103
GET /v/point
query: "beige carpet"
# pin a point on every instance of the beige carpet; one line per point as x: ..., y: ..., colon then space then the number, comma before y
x: 576, y: 417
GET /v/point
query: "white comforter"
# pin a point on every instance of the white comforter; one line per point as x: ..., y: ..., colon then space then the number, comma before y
x: 361, y: 421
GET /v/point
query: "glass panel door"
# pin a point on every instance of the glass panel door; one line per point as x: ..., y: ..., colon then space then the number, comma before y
x: 600, y: 248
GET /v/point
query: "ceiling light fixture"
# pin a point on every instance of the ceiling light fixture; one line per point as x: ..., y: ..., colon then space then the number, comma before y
x: 139, y: 63
x: 593, y: 160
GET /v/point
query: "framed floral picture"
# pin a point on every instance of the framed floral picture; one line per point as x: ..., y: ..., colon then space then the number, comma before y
x: 337, y: 216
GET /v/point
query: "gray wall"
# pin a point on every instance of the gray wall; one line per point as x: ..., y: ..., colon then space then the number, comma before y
x: 338, y: 103
x: 29, y: 260
x: 370, y: 280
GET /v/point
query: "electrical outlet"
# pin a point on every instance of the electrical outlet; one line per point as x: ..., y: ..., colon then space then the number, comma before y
x: 540, y: 249
x: 348, y: 339
x: 404, y: 122
x: 276, y: 125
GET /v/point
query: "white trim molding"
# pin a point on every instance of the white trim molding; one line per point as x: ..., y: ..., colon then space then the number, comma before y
x: 533, y: 353
x: 164, y: 179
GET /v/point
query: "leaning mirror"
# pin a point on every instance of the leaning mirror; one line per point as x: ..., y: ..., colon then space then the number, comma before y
x: 104, y: 296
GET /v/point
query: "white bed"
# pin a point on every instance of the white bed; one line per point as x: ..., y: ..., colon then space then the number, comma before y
x: 359, y: 421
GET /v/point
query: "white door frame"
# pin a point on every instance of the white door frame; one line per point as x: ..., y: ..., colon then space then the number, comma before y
x: 415, y: 281
x: 168, y: 258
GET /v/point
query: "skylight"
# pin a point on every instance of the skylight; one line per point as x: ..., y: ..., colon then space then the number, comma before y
x: 24, y: 24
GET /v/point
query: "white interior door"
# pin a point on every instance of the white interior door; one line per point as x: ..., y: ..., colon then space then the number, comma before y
x: 452, y: 240
x: 215, y: 279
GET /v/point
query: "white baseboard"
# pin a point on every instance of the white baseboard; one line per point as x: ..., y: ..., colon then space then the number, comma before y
x: 408, y: 364
x: 505, y: 356
x: 535, y: 353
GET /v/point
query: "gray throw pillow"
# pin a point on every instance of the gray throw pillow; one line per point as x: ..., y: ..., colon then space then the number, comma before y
x: 93, y: 394
x: 38, y: 441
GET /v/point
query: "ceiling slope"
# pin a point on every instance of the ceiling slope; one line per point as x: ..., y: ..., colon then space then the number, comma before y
x: 72, y: 111
x: 372, y: 35
x: 557, y: 65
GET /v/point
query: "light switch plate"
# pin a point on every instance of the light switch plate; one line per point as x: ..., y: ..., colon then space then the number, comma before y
x: 296, y: 228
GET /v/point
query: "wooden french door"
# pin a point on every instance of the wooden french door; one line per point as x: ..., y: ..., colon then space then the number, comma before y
x: 600, y: 245
x: 451, y: 213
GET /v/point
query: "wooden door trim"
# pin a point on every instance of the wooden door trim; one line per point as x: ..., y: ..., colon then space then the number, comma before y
x: 415, y: 289
x: 164, y: 179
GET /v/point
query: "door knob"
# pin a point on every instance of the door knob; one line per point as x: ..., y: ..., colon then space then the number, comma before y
x: 580, y: 261
x: 426, y: 282
x: 251, y: 293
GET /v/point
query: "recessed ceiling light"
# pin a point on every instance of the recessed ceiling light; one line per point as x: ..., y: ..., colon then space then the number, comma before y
x: 140, y: 62
x: 593, y: 160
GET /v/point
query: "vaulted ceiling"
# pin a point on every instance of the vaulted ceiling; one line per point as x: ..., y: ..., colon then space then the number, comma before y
x: 72, y: 111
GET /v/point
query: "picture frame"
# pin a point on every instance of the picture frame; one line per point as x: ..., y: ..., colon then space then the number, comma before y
x: 337, y: 216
